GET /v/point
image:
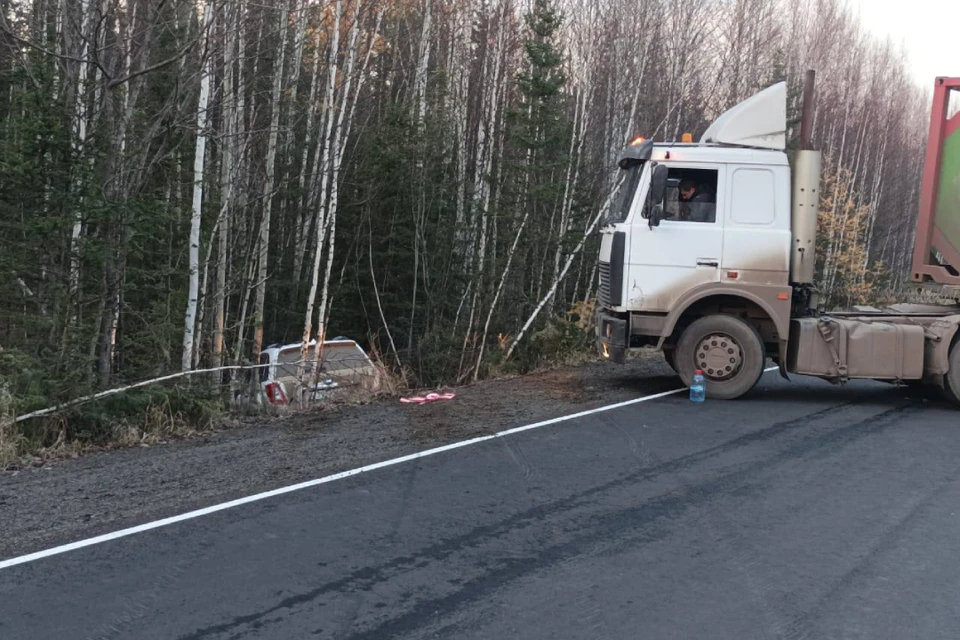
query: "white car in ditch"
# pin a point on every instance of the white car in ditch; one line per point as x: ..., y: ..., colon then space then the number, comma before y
x: 344, y: 366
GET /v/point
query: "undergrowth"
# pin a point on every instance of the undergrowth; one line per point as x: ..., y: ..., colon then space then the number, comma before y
x: 150, y: 415
x: 9, y: 436
x: 563, y: 340
x: 140, y: 416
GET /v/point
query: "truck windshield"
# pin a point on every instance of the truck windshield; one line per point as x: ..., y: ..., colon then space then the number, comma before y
x: 620, y: 206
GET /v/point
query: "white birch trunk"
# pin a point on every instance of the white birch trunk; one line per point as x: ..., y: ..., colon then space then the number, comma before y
x: 487, y: 129
x: 481, y: 196
x: 496, y: 296
x: 832, y: 233
x: 577, y: 142
x: 264, y: 244
x: 320, y: 165
x: 423, y: 64
x: 419, y: 115
x: 460, y: 89
x: 80, y: 121
x: 341, y: 135
x: 199, y: 156
x: 228, y: 174
x: 294, y: 83
x: 566, y: 267
x: 300, y: 247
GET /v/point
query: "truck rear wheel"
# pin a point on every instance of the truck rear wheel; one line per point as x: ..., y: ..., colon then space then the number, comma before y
x: 951, y: 381
x: 728, y: 351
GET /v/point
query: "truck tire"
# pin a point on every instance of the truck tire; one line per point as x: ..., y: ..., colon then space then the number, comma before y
x: 951, y: 381
x: 728, y: 350
x: 670, y: 356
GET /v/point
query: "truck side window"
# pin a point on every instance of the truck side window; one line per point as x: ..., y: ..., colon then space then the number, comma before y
x: 624, y: 199
x: 691, y: 195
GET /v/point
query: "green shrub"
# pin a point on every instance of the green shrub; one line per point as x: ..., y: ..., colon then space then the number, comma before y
x: 562, y: 340
x: 436, y: 358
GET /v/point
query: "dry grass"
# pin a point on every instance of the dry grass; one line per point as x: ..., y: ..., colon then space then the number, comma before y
x: 391, y: 385
x: 9, y: 443
x: 158, y: 424
x: 10, y: 438
x: 154, y: 420
x: 130, y: 421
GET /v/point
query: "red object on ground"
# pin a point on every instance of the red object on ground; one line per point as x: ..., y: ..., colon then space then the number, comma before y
x: 430, y: 397
x: 275, y: 393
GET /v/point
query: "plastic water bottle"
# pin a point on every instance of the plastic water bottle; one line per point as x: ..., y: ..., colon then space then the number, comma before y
x: 698, y: 387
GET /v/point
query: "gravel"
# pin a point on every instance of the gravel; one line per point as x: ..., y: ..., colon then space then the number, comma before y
x: 78, y: 498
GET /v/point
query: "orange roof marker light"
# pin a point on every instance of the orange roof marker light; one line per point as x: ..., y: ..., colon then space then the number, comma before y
x: 687, y: 137
x: 636, y: 142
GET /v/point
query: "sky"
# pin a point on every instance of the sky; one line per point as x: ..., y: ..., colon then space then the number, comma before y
x: 929, y: 29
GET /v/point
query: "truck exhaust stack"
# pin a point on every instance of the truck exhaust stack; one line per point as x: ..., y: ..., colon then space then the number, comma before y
x: 806, y: 194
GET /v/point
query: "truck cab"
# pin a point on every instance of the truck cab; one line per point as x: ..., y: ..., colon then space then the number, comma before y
x: 708, y: 253
x: 738, y: 245
x: 669, y: 256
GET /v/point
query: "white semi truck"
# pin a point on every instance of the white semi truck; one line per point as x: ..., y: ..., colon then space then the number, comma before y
x: 709, y: 252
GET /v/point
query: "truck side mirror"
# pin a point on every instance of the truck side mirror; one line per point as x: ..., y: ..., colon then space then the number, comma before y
x: 656, y: 215
x: 658, y: 188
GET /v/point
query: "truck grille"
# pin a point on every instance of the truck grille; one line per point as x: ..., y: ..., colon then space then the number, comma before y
x: 610, y: 293
x: 603, y: 293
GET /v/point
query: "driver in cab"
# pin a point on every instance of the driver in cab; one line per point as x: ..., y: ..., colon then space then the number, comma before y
x: 697, y: 204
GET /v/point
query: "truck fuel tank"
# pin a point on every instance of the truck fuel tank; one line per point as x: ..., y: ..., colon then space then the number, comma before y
x: 845, y: 348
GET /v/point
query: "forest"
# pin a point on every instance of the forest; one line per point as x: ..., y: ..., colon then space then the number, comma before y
x: 183, y: 182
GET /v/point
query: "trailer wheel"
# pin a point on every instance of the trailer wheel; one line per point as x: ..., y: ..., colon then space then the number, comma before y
x: 728, y: 351
x: 951, y: 381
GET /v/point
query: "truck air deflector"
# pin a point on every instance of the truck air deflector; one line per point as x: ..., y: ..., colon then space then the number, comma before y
x: 759, y: 121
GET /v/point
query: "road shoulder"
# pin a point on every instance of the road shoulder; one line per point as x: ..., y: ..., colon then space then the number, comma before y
x: 75, y: 499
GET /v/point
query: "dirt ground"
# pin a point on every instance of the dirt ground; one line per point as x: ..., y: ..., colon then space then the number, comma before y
x: 75, y: 499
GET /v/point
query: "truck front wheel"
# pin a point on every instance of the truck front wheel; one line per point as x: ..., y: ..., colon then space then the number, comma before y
x: 670, y: 356
x: 728, y: 351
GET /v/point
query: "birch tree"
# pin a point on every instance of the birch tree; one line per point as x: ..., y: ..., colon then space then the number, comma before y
x: 263, y: 245
x: 320, y: 165
x: 199, y: 156
x: 177, y: 175
x: 230, y: 115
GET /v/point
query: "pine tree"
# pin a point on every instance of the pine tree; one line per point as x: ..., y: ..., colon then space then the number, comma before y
x: 541, y: 124
x: 540, y: 134
x: 540, y: 137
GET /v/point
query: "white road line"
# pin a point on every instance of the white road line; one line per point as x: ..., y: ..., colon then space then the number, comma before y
x: 190, y: 515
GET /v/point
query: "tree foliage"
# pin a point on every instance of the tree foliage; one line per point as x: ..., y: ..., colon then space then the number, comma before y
x: 844, y: 270
x: 416, y: 174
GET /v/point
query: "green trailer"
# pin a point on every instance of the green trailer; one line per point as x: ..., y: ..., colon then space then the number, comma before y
x: 936, y: 257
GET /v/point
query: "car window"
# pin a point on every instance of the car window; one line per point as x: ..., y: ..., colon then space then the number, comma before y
x: 264, y: 371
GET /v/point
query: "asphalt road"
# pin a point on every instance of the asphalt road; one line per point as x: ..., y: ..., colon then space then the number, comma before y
x: 803, y: 511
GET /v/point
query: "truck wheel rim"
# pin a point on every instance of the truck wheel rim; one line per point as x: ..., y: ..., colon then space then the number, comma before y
x: 719, y: 356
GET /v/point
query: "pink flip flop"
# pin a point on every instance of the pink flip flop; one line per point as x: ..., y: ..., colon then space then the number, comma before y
x: 430, y: 397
